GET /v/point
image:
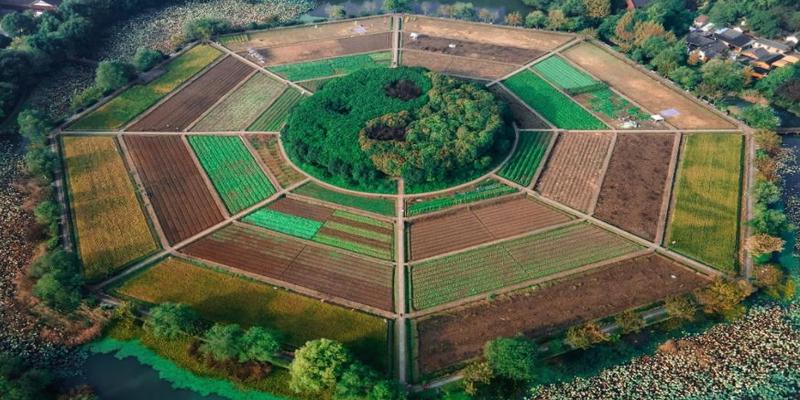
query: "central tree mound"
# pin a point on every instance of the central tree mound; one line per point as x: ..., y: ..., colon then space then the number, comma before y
x: 362, y: 130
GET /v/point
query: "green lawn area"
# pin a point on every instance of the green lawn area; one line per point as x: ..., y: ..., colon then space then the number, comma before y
x: 556, y: 107
x: 705, y: 220
x: 332, y: 66
x: 239, y: 180
x: 137, y: 99
x: 223, y: 297
x: 372, y: 204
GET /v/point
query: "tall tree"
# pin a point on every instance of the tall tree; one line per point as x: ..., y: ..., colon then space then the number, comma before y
x: 318, y: 365
x: 598, y: 8
x: 222, y: 342
x: 17, y: 24
x: 170, y: 320
x: 513, y: 358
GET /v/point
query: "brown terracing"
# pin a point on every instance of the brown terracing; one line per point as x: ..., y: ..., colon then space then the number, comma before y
x: 459, y: 335
x: 175, y: 186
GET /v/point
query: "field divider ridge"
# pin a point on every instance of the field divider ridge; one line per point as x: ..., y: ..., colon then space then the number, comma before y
x: 400, y: 290
x: 261, y: 164
x: 666, y: 203
x: 172, y: 93
x: 220, y: 100
x: 603, y: 172
x: 210, y: 185
x: 568, y: 274
x: 148, y: 206
x: 261, y: 68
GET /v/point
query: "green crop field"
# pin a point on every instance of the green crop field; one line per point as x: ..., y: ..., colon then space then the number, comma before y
x: 484, y: 190
x: 226, y: 298
x: 372, y: 204
x: 285, y: 223
x: 525, y: 161
x: 562, y: 74
x: 610, y: 104
x: 489, y: 268
x: 268, y: 149
x: 275, y: 116
x: 556, y: 107
x: 137, y: 99
x: 243, y: 106
x: 234, y: 173
x: 332, y: 66
x: 705, y: 220
x: 109, y: 222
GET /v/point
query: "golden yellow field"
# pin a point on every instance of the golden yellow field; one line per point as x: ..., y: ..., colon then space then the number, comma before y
x: 110, y: 225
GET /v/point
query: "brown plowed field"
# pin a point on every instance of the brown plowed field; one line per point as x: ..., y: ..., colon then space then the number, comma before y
x: 572, y: 175
x: 175, y: 186
x: 523, y: 117
x: 633, y: 190
x: 269, y: 151
x: 277, y: 37
x: 466, y: 227
x: 456, y: 65
x: 480, y: 51
x: 315, y: 50
x: 643, y: 89
x: 485, y: 33
x: 180, y: 110
x: 459, y: 335
x: 330, y: 272
x: 301, y: 209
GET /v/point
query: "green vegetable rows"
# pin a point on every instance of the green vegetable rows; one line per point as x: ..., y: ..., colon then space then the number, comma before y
x: 493, y: 267
x: 556, y: 107
x: 275, y: 116
x: 608, y: 103
x: 372, y: 204
x: 332, y: 66
x: 565, y: 76
x: 242, y: 107
x: 237, y: 177
x: 284, y: 223
x: 483, y: 190
x: 528, y: 156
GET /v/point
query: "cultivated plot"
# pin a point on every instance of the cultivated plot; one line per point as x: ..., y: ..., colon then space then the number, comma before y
x: 239, y: 180
x: 137, y: 99
x: 459, y: 335
x: 174, y: 185
x: 704, y: 221
x: 179, y: 111
x: 377, y: 205
x: 332, y: 66
x: 474, y: 225
x: 573, y: 172
x: 521, y: 114
x: 337, y: 228
x: 459, y: 66
x: 273, y: 119
x: 269, y: 151
x: 556, y: 107
x: 109, y: 222
x: 241, y: 108
x: 482, y: 190
x: 223, y: 297
x: 528, y: 156
x: 643, y: 89
x: 320, y: 49
x: 329, y: 272
x: 474, y: 50
x: 493, y: 267
x: 632, y: 195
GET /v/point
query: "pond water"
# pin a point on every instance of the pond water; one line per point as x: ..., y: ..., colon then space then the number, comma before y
x: 359, y: 7
x: 128, y: 379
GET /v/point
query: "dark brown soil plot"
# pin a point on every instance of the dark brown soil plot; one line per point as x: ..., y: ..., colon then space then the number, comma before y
x: 186, y: 106
x: 301, y: 209
x: 175, y: 186
x: 330, y: 272
x: 481, y: 51
x: 457, y: 336
x: 318, y: 49
x: 523, y: 117
x: 458, y: 66
x: 633, y: 190
x: 443, y: 233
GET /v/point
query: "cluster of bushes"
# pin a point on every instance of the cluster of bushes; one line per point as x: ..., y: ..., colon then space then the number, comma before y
x: 380, y: 123
x: 320, y: 367
x: 41, y: 43
x: 769, y: 221
x: 112, y: 75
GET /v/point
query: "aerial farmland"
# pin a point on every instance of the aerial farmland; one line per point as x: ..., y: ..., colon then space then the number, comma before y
x: 410, y: 187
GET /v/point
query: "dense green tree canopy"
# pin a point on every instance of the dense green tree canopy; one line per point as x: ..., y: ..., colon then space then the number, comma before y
x: 318, y: 365
x: 366, y: 128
